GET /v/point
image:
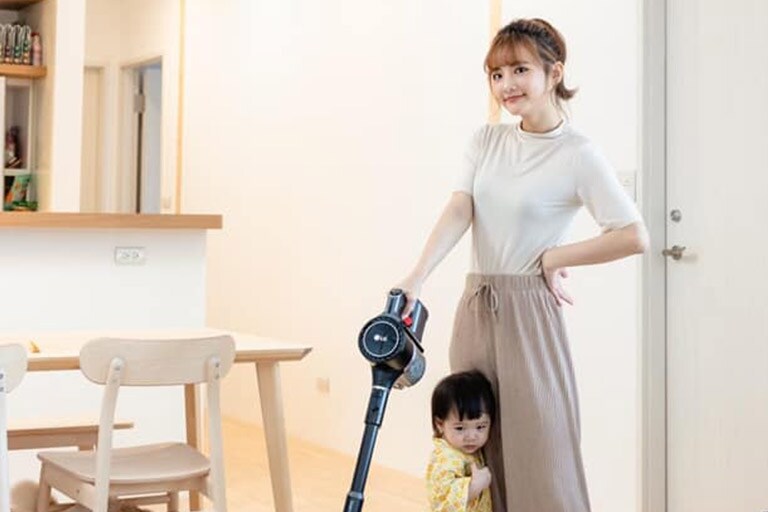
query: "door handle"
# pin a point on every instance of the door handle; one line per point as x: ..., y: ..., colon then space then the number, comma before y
x: 675, y: 252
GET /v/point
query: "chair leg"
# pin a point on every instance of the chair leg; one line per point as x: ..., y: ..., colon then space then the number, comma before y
x: 173, y: 502
x: 43, y: 492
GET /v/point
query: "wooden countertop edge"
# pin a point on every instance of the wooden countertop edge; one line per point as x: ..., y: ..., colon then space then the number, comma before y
x: 108, y: 221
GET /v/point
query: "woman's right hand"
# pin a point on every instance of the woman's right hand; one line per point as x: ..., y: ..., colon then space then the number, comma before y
x: 412, y: 289
x: 554, y: 276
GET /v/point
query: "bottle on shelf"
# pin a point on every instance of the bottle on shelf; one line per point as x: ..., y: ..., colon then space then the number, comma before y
x: 26, y: 45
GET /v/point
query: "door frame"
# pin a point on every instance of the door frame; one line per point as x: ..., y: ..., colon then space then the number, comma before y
x: 653, y: 324
x: 101, y: 178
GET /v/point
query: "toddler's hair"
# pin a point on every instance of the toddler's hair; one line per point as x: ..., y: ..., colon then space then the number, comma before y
x: 468, y: 393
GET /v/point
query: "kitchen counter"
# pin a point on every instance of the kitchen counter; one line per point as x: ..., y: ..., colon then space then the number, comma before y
x: 108, y: 220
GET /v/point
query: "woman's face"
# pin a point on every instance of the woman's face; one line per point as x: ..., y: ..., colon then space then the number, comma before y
x: 523, y: 87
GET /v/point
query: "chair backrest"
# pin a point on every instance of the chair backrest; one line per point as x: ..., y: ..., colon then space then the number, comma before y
x: 13, y: 366
x: 156, y: 362
x: 125, y: 362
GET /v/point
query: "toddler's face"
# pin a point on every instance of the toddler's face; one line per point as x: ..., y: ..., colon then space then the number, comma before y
x: 465, y: 434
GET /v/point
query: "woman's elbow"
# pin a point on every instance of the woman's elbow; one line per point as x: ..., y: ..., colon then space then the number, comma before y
x: 639, y: 241
x: 462, y: 207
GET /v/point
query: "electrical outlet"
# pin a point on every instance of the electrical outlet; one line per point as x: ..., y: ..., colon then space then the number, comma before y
x: 130, y: 256
x: 323, y: 385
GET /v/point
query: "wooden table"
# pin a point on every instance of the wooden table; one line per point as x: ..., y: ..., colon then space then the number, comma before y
x: 60, y: 351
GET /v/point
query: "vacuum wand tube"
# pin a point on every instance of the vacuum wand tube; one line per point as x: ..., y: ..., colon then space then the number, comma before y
x: 392, y: 344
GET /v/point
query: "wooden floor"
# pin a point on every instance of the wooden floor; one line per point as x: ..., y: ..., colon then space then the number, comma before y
x: 320, y: 477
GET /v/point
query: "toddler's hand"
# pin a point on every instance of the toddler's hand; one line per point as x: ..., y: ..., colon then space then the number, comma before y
x: 481, y: 480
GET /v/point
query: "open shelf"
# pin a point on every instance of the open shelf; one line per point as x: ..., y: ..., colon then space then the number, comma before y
x: 22, y: 71
x: 15, y: 172
x: 16, y: 4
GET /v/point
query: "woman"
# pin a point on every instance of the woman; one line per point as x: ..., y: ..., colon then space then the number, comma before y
x: 519, y: 189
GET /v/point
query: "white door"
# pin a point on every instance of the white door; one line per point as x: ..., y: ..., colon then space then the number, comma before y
x: 717, y: 330
x: 140, y: 174
x: 151, y: 124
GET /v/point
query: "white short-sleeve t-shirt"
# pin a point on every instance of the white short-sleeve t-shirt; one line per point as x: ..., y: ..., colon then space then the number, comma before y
x: 526, y: 189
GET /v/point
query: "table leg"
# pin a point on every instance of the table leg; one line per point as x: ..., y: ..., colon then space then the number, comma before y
x: 268, y: 375
x: 193, y: 433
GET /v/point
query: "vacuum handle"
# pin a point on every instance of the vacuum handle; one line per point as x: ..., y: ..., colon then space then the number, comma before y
x: 396, y: 301
x: 416, y: 319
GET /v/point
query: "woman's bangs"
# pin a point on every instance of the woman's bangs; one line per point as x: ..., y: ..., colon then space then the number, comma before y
x: 508, y: 51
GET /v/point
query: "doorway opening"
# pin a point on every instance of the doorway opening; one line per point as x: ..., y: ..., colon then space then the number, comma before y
x: 141, y: 134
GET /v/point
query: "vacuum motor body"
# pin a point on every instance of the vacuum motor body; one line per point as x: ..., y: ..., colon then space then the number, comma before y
x: 396, y: 342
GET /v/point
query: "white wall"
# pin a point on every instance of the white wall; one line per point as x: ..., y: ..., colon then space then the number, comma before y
x: 42, y: 17
x: 329, y: 136
x: 102, y: 50
x: 120, y: 34
x: 67, y: 105
x: 57, y: 280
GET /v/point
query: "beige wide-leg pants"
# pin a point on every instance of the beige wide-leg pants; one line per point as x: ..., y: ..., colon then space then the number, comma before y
x: 510, y: 328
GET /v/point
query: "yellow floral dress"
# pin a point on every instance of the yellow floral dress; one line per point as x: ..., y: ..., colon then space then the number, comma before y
x: 448, y: 475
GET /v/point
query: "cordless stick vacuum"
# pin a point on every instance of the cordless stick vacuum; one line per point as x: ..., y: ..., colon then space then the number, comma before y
x: 393, y: 346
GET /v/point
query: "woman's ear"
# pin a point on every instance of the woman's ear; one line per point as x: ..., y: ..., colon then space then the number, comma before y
x: 556, y: 74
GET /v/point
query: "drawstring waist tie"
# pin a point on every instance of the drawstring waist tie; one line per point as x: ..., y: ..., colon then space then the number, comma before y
x: 486, y: 291
x: 486, y: 287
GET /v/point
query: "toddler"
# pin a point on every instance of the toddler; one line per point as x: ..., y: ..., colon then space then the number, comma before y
x: 463, y: 408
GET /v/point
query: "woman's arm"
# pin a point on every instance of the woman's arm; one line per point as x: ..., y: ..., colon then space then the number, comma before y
x: 450, y: 227
x: 613, y: 245
x: 610, y: 246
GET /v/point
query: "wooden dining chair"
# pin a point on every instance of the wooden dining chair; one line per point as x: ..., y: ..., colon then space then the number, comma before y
x: 142, y: 473
x: 13, y: 366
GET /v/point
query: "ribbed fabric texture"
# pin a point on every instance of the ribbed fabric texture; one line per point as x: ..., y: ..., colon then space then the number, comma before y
x: 509, y: 328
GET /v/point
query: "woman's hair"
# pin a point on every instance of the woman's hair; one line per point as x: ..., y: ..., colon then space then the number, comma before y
x: 537, y: 36
x: 468, y: 393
